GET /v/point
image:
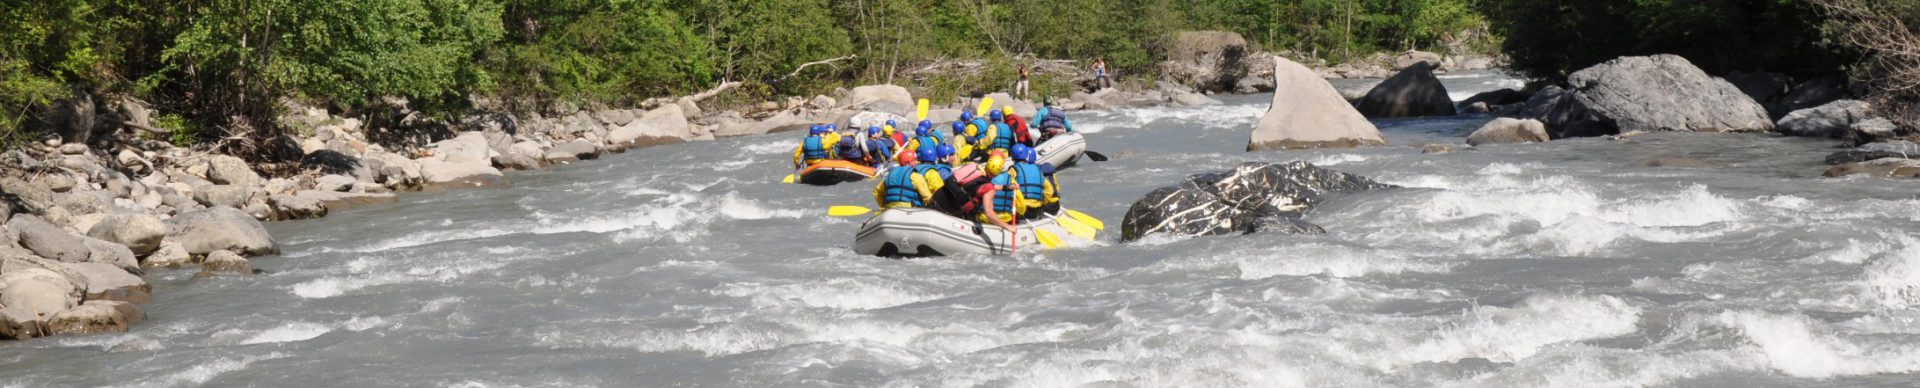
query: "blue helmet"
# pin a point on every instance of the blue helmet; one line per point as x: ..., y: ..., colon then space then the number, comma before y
x: 873, y: 131
x: 816, y: 130
x: 946, y: 151
x: 959, y: 126
x: 927, y: 155
x: 966, y: 116
x: 925, y: 125
x: 921, y: 131
x: 995, y: 115
x: 891, y: 124
x: 1023, y: 153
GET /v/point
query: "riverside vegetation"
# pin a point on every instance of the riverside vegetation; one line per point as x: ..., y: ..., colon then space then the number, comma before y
x: 147, y: 135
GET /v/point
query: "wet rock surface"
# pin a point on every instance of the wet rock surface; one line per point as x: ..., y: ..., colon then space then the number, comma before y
x: 1252, y: 197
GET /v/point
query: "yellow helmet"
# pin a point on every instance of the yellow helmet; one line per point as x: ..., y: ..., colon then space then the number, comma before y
x: 996, y: 165
x: 972, y: 130
x: 1006, y: 110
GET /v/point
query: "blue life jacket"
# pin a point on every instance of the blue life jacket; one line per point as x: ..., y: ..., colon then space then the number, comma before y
x: 812, y: 149
x: 881, y: 148
x: 1003, y: 198
x: 946, y: 171
x: 983, y: 126
x: 928, y: 142
x: 1003, y: 137
x: 899, y: 186
x: 1032, y: 181
x: 850, y: 149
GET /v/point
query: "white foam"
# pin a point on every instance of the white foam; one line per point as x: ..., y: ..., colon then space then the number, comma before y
x: 838, y: 293
x: 1336, y: 159
x: 1324, y: 259
x: 289, y: 332
x: 1893, y: 279
x: 735, y: 207
x: 1798, y: 347
x: 202, y: 372
x: 772, y: 147
x: 1504, y: 334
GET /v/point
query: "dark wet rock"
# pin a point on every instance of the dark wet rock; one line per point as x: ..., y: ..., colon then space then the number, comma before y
x: 1310, y: 115
x: 1509, y: 131
x: 1414, y: 92
x: 1900, y: 149
x: 1886, y: 168
x: 220, y: 228
x: 1497, y: 98
x: 297, y: 207
x: 1652, y: 94
x: 20, y: 323
x: 1248, y: 198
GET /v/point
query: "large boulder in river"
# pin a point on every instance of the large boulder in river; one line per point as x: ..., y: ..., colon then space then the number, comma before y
x: 1310, y: 114
x: 1207, y: 61
x: 1832, y: 120
x: 1252, y: 197
x: 1414, y: 92
x: 220, y: 228
x: 881, y: 98
x: 1652, y: 94
x: 1509, y: 131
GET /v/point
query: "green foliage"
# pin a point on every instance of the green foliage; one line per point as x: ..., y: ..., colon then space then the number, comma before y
x: 596, y: 51
x: 1342, y: 29
x: 1549, y: 40
x: 180, y: 131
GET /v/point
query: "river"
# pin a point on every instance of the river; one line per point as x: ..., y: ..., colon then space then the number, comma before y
x: 1544, y: 265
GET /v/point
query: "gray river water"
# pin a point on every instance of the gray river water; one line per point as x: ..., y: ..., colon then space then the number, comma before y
x: 1544, y: 265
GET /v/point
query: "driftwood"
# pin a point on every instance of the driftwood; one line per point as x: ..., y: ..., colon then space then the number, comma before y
x: 828, y: 62
x: 723, y: 87
x: 1894, y: 49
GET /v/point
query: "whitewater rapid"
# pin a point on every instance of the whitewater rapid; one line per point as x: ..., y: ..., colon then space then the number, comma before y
x: 1543, y: 265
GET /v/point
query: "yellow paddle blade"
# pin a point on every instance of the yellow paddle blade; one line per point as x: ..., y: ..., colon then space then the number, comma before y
x: 1047, y: 238
x: 847, y: 211
x: 788, y: 179
x: 1086, y: 219
x: 1076, y: 228
x: 985, y: 104
x: 924, y: 104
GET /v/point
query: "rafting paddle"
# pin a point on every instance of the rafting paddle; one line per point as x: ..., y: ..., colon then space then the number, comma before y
x: 1047, y: 238
x: 1075, y: 228
x: 922, y: 109
x: 1095, y: 156
x: 985, y: 104
x: 848, y: 211
x: 1086, y: 219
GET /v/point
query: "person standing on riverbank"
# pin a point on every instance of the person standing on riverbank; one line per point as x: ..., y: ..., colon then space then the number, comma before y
x: 1100, y: 80
x: 1020, y: 87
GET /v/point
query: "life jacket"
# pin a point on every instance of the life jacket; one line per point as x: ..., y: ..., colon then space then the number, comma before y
x: 900, y: 188
x: 850, y: 150
x: 881, y: 149
x: 1004, y: 197
x: 1019, y: 126
x: 1032, y: 181
x: 983, y: 126
x: 946, y: 171
x: 1002, y: 137
x: 813, y: 149
x: 926, y: 142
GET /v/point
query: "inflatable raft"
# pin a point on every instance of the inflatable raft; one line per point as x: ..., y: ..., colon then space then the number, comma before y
x: 1061, y: 151
x: 833, y: 172
x: 927, y: 232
